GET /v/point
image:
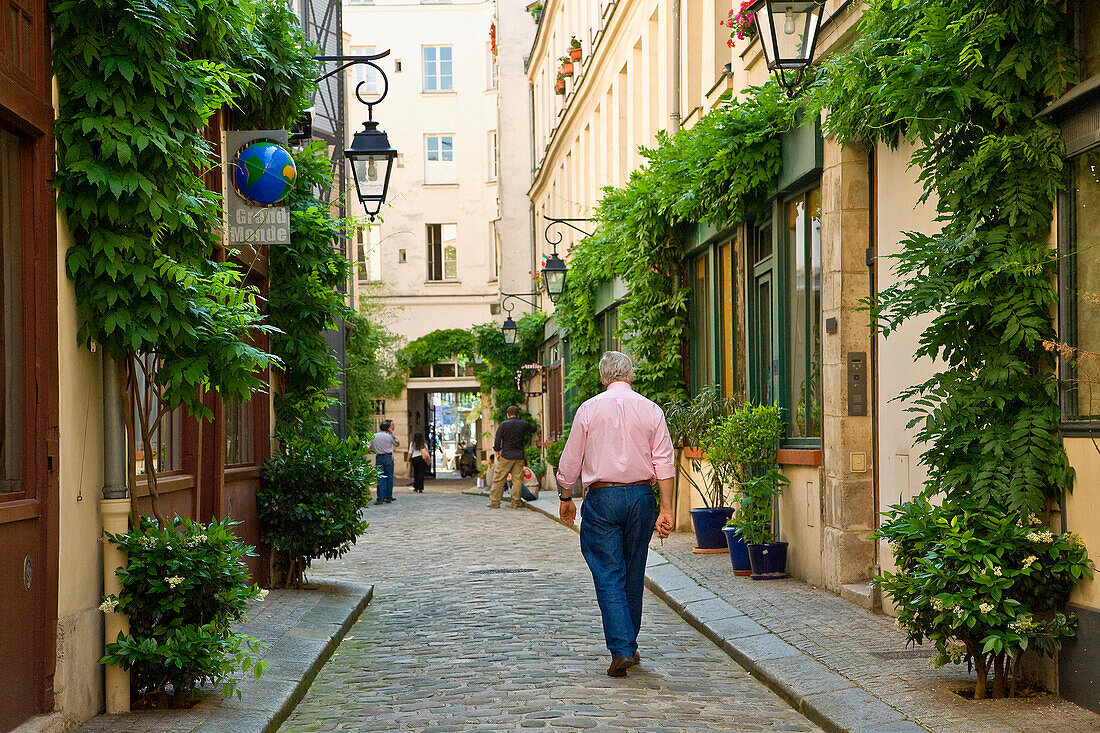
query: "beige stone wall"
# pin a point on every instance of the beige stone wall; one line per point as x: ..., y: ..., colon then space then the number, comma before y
x: 78, y: 676
x: 801, y: 524
x: 898, y: 210
x: 1082, y: 510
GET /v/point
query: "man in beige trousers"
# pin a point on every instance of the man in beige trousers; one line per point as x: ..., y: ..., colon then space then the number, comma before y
x: 510, y: 441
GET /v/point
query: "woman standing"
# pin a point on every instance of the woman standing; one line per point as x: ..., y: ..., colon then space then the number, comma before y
x: 417, y: 457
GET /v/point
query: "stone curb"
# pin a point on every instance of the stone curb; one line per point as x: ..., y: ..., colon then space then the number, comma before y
x: 826, y: 697
x: 293, y: 663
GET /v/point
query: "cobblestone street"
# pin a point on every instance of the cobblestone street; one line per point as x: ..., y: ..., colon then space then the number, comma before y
x: 450, y: 643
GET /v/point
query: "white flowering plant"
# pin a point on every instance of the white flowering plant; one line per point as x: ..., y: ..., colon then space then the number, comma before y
x: 182, y: 588
x: 984, y: 586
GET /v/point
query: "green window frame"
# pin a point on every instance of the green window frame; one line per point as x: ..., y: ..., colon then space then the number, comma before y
x: 1079, y: 286
x: 800, y: 346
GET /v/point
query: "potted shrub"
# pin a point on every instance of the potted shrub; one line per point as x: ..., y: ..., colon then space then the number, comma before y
x: 738, y: 549
x: 559, y: 85
x: 688, y: 423
x: 566, y: 68
x: 741, y: 449
x: 575, y: 49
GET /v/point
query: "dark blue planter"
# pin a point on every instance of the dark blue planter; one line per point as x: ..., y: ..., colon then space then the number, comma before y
x: 769, y: 561
x: 708, y: 523
x: 739, y: 551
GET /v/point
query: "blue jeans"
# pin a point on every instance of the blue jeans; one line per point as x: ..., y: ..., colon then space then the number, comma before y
x: 616, y: 525
x: 384, y: 461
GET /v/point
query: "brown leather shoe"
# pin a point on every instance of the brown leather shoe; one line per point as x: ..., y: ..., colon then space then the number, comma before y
x: 619, y: 666
x: 637, y: 658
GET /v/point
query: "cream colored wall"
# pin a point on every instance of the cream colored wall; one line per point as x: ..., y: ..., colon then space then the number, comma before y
x: 515, y: 32
x: 78, y: 677
x: 407, y: 115
x: 800, y: 523
x: 1082, y: 510
x: 619, y: 96
x: 897, y: 211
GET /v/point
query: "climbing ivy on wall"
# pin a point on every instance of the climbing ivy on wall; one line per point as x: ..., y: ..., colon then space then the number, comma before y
x: 304, y: 295
x: 138, y: 82
x: 717, y: 172
x: 495, y: 362
x: 963, y: 82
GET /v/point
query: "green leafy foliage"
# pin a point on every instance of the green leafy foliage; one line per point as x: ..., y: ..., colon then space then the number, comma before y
x: 688, y: 422
x: 981, y: 585
x: 312, y: 497
x: 182, y: 588
x: 138, y: 83
x: 964, y: 81
x: 370, y: 365
x: 495, y: 362
x: 304, y: 295
x: 717, y: 172
x: 553, y: 451
x: 741, y: 448
x: 443, y: 344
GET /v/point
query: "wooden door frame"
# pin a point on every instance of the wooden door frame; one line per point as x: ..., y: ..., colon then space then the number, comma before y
x: 26, y: 110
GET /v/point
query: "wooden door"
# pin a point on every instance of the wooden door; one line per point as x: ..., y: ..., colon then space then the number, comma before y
x: 28, y: 446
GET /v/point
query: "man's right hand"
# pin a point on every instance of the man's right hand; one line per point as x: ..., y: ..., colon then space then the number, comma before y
x: 567, y: 510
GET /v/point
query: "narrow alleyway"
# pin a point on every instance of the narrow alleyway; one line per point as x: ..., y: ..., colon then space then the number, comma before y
x: 452, y: 644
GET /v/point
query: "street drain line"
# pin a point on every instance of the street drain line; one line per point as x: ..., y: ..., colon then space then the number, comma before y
x: 503, y: 571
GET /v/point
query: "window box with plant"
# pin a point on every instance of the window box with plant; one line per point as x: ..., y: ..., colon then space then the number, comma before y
x: 741, y: 23
x: 566, y: 68
x: 559, y: 84
x: 535, y: 9
x: 575, y: 51
x: 742, y: 451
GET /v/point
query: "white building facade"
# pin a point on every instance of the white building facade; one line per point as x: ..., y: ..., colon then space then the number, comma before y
x: 434, y: 255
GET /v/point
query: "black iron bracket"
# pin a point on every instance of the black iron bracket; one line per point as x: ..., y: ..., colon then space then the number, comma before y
x: 346, y: 62
x: 521, y: 297
x: 553, y: 221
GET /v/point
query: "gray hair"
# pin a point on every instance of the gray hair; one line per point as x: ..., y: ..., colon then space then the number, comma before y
x: 615, y: 366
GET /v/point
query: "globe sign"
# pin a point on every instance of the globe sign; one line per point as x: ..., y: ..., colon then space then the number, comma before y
x: 264, y: 172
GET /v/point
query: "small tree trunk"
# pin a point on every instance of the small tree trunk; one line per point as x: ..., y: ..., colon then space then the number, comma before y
x: 981, y: 667
x: 1014, y: 684
x: 999, y: 676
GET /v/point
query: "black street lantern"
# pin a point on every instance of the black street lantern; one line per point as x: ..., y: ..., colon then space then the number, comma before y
x: 788, y: 33
x: 509, y: 329
x: 371, y: 155
x: 371, y: 158
x: 553, y: 277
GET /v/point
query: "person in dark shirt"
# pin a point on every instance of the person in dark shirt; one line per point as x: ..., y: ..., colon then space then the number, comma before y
x: 510, y: 441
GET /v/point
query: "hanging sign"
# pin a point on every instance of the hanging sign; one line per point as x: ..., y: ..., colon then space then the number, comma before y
x: 259, y: 174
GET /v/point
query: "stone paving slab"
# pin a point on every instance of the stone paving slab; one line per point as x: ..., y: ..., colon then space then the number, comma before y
x: 843, y: 667
x: 454, y: 642
x: 301, y: 629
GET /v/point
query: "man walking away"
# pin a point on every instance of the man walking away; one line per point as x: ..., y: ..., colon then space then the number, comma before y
x: 619, y: 447
x: 383, y: 444
x: 510, y: 441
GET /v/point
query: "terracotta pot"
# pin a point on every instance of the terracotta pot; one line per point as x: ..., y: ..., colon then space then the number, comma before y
x: 575, y: 53
x: 567, y: 69
x: 559, y: 87
x: 693, y: 453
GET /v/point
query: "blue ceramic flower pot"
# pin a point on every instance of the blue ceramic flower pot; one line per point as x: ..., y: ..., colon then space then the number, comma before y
x: 739, y: 551
x: 769, y: 561
x: 708, y: 523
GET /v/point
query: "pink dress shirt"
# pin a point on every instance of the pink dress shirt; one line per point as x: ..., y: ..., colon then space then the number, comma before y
x: 617, y: 436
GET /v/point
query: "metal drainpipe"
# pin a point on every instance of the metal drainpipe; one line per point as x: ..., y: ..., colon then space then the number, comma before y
x: 674, y: 101
x: 871, y: 256
x: 114, y: 508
